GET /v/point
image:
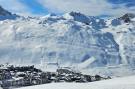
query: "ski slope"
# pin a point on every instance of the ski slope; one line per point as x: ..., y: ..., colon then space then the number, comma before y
x: 116, y: 83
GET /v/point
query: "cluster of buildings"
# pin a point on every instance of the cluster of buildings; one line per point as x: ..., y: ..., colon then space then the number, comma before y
x: 14, y: 77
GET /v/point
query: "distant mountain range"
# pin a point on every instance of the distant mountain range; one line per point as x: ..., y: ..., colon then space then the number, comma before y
x: 69, y: 39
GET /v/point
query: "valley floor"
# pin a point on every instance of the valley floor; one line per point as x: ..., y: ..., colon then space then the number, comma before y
x: 116, y: 83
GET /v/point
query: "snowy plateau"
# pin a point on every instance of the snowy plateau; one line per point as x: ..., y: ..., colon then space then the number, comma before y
x: 89, y: 44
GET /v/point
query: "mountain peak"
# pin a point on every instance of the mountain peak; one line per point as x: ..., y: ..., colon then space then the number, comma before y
x: 4, y: 12
x: 77, y: 17
x: 76, y: 14
x: 127, y: 17
x: 95, y: 22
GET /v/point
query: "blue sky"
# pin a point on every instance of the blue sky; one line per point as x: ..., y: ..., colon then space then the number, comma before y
x: 34, y: 6
x: 88, y: 7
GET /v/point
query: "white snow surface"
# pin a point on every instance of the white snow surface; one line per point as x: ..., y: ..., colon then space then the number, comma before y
x: 116, y: 83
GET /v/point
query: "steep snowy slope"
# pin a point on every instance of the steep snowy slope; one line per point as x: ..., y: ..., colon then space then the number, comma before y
x: 117, y: 83
x: 124, y: 35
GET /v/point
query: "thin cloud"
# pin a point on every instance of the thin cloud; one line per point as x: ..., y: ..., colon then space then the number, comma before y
x: 89, y: 7
x: 15, y: 6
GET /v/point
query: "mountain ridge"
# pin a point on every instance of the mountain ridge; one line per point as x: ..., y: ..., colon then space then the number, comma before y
x: 4, y: 14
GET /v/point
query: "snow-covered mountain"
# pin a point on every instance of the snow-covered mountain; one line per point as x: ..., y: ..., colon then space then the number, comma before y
x: 56, y: 38
x: 69, y: 39
x: 124, y: 36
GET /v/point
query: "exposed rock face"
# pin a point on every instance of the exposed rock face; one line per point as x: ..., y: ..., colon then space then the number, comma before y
x: 4, y: 15
x: 4, y: 12
x: 127, y: 17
